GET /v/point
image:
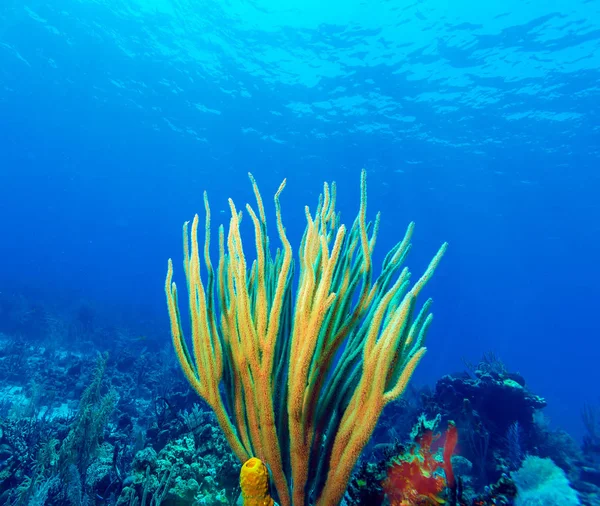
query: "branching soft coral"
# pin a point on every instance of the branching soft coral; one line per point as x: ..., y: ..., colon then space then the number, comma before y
x: 414, y: 478
x: 299, y: 368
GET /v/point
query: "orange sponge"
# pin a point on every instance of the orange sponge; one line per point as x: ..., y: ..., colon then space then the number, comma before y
x: 254, y: 481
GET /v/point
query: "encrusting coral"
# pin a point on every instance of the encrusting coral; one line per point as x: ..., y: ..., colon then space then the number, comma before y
x: 300, y: 381
x: 413, y: 478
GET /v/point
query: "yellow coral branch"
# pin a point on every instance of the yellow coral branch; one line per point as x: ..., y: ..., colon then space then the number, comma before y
x: 265, y: 361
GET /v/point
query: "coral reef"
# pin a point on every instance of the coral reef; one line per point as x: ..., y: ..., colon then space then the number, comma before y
x: 79, y: 427
x: 501, y: 428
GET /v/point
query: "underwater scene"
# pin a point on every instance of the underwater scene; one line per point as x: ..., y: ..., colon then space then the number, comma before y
x: 299, y: 253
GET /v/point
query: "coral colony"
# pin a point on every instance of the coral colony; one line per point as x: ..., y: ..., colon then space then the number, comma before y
x: 299, y: 367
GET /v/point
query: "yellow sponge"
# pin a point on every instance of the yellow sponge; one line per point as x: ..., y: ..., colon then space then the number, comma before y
x: 254, y: 481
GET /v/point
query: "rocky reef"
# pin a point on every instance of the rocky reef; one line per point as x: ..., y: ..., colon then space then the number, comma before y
x: 121, y: 427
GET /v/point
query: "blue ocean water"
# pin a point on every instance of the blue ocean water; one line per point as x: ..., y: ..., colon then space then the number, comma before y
x: 479, y: 121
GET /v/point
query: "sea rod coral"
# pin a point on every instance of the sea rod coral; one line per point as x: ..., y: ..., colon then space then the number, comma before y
x: 299, y: 381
